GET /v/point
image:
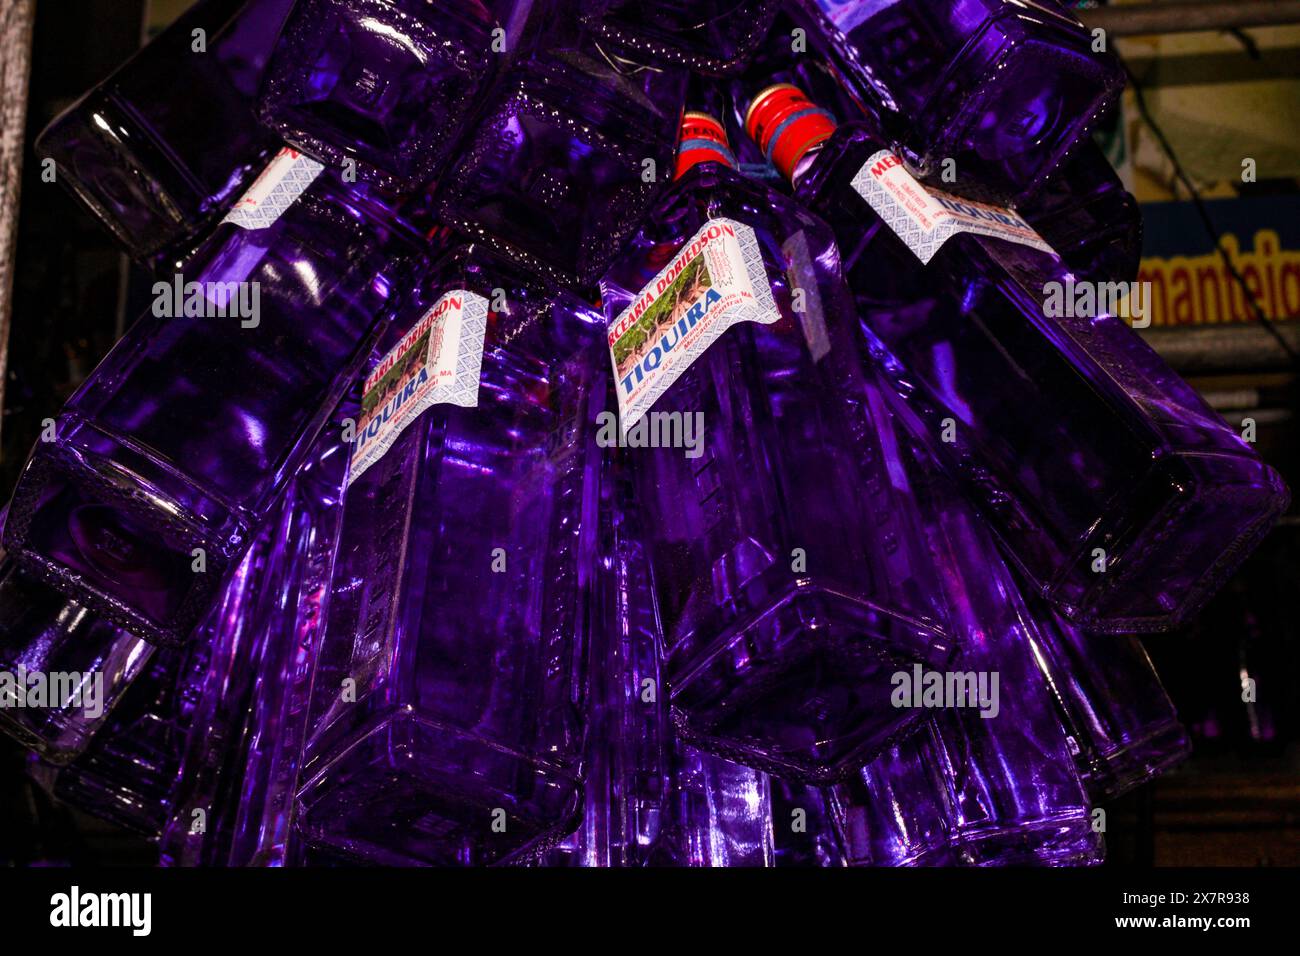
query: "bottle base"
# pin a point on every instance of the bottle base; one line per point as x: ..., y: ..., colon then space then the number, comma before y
x: 1065, y: 840
x: 803, y: 690
x: 130, y: 539
x: 1138, y: 763
x: 410, y: 791
x: 1146, y: 578
x: 1009, y: 137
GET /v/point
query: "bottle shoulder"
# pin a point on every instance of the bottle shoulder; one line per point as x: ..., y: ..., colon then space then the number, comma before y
x: 521, y: 312
x: 837, y: 162
x: 713, y: 191
x: 570, y: 88
x: 708, y: 193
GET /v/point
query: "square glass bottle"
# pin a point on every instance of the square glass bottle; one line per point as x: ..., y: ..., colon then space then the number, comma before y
x: 1004, y: 89
x: 169, y: 141
x: 386, y: 84
x: 449, y: 695
x: 1123, y: 496
x: 177, y: 446
x: 782, y: 538
x: 567, y: 156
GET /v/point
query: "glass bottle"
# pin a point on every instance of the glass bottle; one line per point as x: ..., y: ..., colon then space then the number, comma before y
x: 448, y: 699
x: 990, y: 779
x: 719, y: 814
x: 1089, y: 219
x: 1121, y: 722
x: 780, y: 532
x: 84, y: 665
x: 129, y: 774
x: 272, y: 742
x: 708, y: 36
x: 169, y: 141
x: 1124, y: 497
x: 174, y: 450
x: 384, y: 84
x: 567, y: 156
x: 628, y: 754
x: 1002, y: 88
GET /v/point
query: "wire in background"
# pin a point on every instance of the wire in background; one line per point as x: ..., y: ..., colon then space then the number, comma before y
x: 1204, y: 213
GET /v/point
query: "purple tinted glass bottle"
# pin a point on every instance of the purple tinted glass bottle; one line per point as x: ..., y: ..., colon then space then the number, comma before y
x: 447, y: 711
x: 650, y: 800
x: 565, y: 161
x: 1091, y: 221
x: 85, y: 665
x: 183, y: 438
x: 168, y: 141
x: 1004, y: 88
x: 387, y: 84
x: 990, y: 780
x: 129, y: 773
x: 245, y: 641
x: 719, y: 814
x: 277, y: 713
x: 708, y: 36
x: 781, y: 538
x: 1125, y: 498
x: 1015, y: 793
x: 126, y: 773
x: 802, y: 826
x: 627, y: 762
x: 1121, y: 722
x: 897, y: 810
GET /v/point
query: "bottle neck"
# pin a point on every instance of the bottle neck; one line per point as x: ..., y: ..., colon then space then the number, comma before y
x: 789, y: 128
x: 703, y: 140
x: 806, y: 162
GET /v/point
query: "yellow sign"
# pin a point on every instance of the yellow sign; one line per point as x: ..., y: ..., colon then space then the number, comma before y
x: 1199, y: 290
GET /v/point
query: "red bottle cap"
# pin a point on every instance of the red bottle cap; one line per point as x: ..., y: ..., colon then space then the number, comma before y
x: 786, y: 125
x: 703, y: 140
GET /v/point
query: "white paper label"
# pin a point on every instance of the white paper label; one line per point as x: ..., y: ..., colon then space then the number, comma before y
x: 716, y: 280
x: 285, y: 178
x: 926, y: 218
x: 438, y: 362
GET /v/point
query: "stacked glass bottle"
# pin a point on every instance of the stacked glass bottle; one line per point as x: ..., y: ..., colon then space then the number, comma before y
x: 782, y: 542
x: 447, y: 711
x: 1122, y: 495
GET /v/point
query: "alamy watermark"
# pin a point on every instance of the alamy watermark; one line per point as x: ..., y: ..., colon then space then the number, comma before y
x: 56, y: 690
x: 944, y: 689
x: 654, y: 430
x: 209, y: 300
x: 1087, y: 300
x: 75, y: 908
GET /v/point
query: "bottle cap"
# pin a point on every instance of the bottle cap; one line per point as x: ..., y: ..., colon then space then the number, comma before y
x: 703, y: 140
x: 786, y: 125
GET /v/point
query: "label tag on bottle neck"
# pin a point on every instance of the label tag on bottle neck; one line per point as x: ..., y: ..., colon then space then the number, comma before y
x: 716, y: 280
x: 438, y: 362
x: 925, y: 218
x: 285, y: 178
